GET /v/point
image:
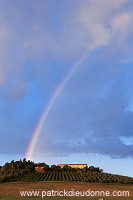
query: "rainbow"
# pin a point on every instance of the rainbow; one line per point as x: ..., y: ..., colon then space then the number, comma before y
x: 44, y: 115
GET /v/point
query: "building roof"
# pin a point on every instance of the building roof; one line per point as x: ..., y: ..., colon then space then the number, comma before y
x: 72, y: 164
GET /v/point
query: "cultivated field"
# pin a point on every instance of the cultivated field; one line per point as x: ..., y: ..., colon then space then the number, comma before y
x: 11, y: 191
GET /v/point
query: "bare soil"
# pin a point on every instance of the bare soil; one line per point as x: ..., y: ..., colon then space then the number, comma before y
x: 12, y: 190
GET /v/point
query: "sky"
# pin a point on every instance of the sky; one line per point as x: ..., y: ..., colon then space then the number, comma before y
x: 91, y: 120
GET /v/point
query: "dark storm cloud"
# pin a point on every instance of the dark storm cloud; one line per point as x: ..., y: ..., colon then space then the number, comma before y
x: 109, y: 146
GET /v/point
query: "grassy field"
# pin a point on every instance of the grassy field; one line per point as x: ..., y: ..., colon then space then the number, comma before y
x: 12, y: 190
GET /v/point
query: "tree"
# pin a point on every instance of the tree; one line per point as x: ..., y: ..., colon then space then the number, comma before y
x: 55, y: 168
x: 91, y: 168
x: 24, y: 160
x: 67, y: 168
x: 46, y: 167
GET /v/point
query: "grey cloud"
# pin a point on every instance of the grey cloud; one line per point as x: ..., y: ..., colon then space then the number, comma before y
x: 108, y: 146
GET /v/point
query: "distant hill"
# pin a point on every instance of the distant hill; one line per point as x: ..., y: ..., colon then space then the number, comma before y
x: 25, y: 171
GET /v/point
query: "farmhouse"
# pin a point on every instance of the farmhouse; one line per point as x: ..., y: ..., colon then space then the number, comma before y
x: 39, y: 169
x: 79, y: 166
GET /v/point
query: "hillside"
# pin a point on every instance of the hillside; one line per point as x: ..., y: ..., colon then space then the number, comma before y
x: 25, y: 171
x: 94, y: 177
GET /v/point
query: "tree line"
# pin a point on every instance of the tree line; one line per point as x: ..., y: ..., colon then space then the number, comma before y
x: 66, y: 168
